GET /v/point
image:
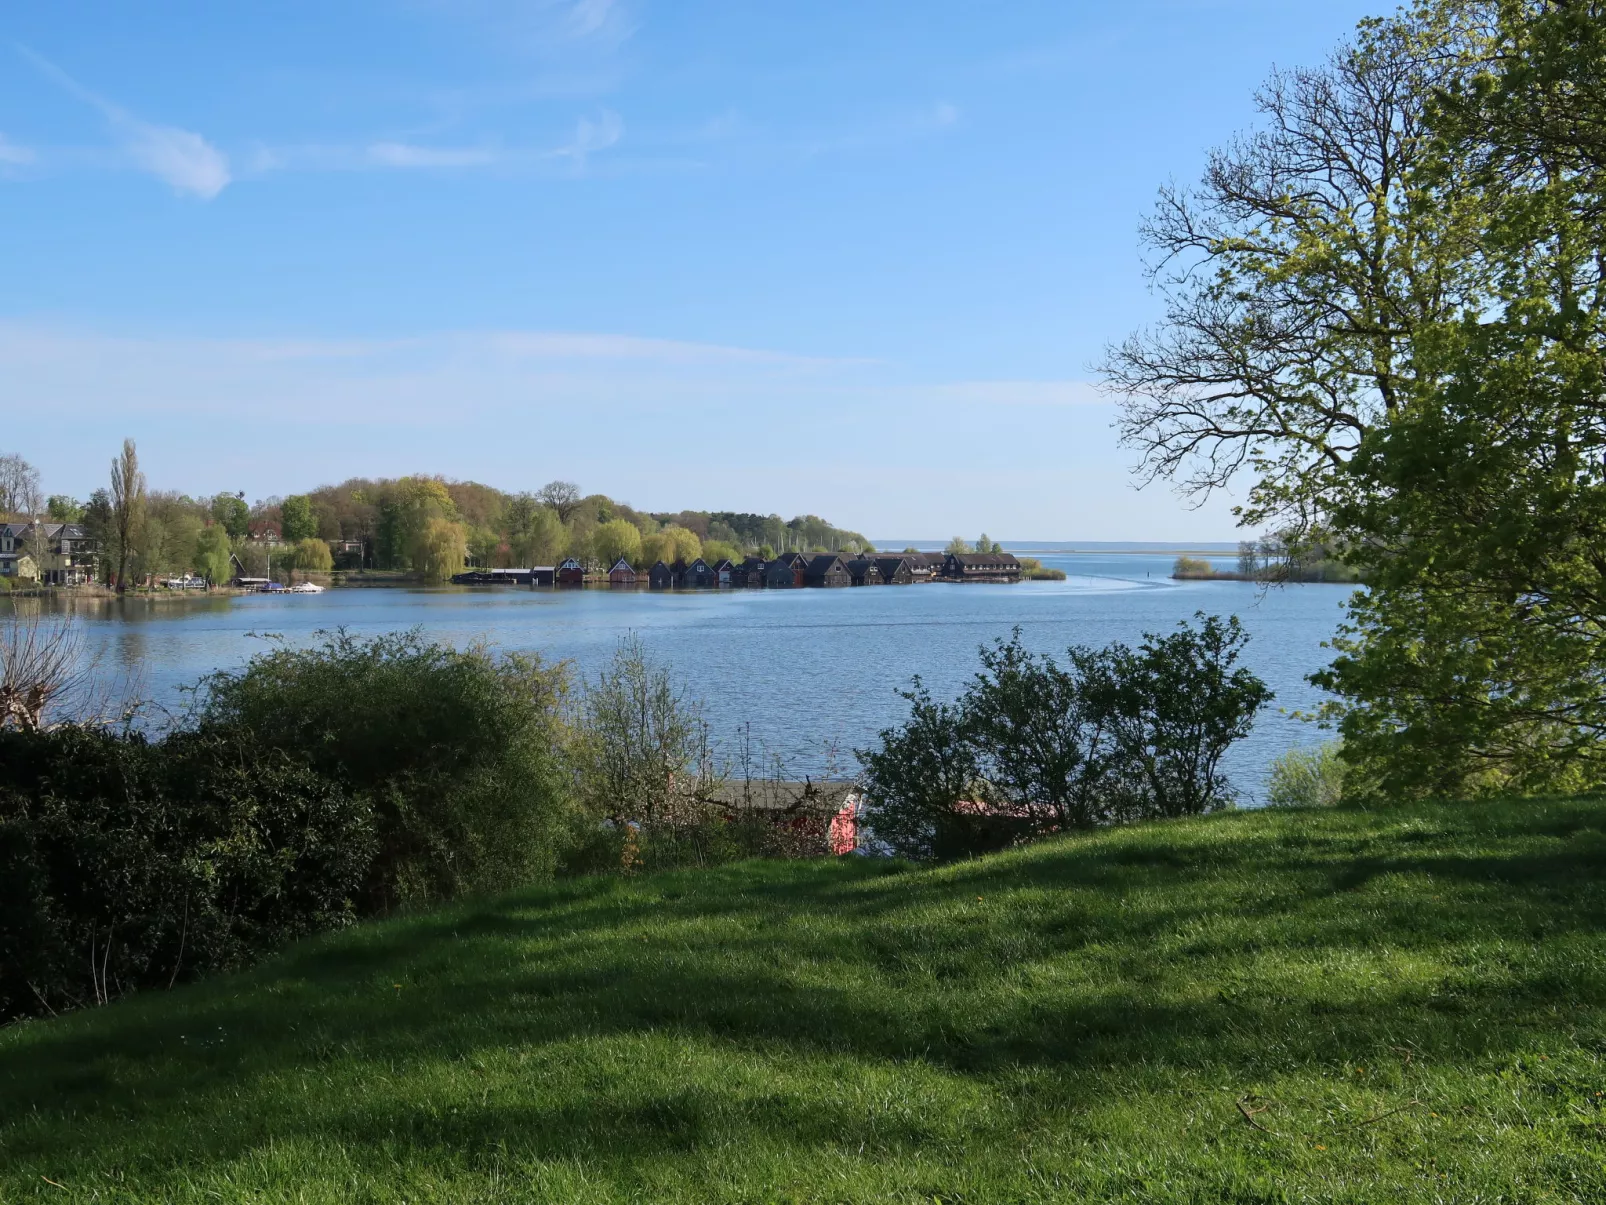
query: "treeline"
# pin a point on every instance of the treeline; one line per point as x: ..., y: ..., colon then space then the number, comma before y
x: 434, y: 527
x: 424, y: 525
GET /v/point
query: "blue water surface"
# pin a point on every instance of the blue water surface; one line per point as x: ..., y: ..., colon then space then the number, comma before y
x: 811, y: 671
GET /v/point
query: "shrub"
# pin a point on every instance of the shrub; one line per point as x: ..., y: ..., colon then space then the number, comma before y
x: 639, y: 748
x: 126, y: 863
x: 1192, y: 566
x: 1032, y: 569
x: 1306, y: 778
x: 458, y: 752
x: 1035, y: 746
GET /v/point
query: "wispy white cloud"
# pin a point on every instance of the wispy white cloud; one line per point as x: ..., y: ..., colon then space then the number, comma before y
x: 546, y: 27
x: 600, y: 18
x: 593, y: 136
x: 12, y: 153
x: 180, y: 158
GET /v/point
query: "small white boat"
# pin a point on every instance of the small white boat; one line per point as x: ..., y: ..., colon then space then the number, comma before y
x: 305, y: 588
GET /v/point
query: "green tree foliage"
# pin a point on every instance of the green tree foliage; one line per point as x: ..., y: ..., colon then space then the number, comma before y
x: 62, y: 508
x: 231, y: 511
x: 296, y: 519
x: 100, y: 527
x: 1307, y: 778
x: 313, y: 555
x: 170, y: 530
x: 441, y: 551
x: 986, y: 545
x: 1036, y: 746
x: 127, y: 863
x: 614, y: 539
x: 1387, y: 307
x: 406, y: 512
x: 457, y: 753
x: 670, y: 545
x: 923, y: 780
x: 715, y: 551
x: 639, y: 747
x: 1474, y: 662
x: 1191, y: 567
x: 127, y: 502
x: 212, y: 548
x: 959, y: 545
x: 535, y: 534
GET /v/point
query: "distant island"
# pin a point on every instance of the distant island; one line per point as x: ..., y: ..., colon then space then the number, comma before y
x: 1270, y: 561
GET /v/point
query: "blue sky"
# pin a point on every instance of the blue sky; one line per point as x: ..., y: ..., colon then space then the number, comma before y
x: 848, y: 258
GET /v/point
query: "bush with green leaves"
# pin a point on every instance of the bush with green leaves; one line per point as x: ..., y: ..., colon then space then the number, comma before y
x: 1307, y: 778
x: 127, y: 863
x: 1037, y: 746
x: 458, y: 752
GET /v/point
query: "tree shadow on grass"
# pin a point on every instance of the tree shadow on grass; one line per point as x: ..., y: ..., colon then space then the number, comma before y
x: 839, y: 961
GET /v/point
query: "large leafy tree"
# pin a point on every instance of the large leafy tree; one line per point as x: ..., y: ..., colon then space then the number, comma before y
x: 212, y: 554
x: 1478, y: 660
x: 231, y: 511
x: 614, y: 539
x: 297, y: 520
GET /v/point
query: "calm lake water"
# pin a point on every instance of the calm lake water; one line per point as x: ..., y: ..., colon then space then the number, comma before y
x: 808, y: 669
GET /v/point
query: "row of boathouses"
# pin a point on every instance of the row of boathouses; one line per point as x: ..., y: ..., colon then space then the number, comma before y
x: 789, y: 571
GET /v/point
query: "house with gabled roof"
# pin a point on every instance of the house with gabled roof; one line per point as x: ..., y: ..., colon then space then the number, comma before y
x: 571, y: 572
x: 862, y: 571
x: 895, y: 570
x: 785, y: 571
x: 622, y: 573
x: 660, y: 576
x: 827, y: 569
x: 749, y: 573
x: 698, y: 575
x: 724, y: 572
x: 52, y: 553
x: 981, y: 567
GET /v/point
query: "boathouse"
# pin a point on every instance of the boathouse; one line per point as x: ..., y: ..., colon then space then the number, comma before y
x: 698, y: 575
x: 785, y: 571
x: 571, y: 573
x: 827, y: 569
x: 660, y: 576
x: 981, y: 567
x: 862, y: 571
x: 895, y: 570
x: 622, y: 573
x: 749, y: 573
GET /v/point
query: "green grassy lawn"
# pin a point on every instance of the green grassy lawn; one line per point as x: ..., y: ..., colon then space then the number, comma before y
x: 1410, y: 1006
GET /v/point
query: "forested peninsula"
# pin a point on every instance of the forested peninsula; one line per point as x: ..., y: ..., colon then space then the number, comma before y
x: 422, y: 527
